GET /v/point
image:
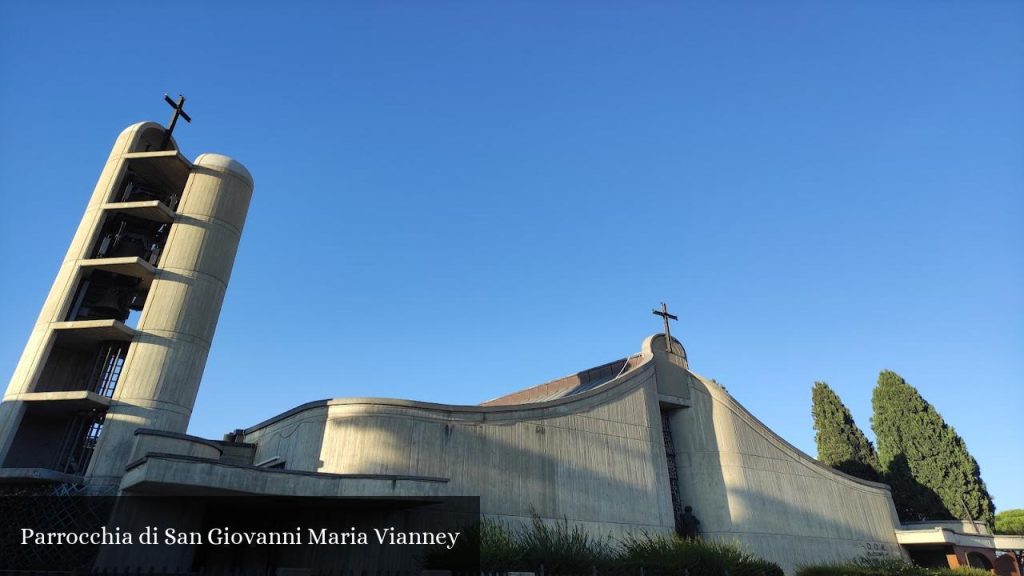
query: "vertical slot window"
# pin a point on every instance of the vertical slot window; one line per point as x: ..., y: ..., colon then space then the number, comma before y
x: 107, y: 371
x: 82, y: 433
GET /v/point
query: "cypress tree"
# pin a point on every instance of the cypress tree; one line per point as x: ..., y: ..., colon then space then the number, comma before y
x: 841, y: 444
x: 924, y: 460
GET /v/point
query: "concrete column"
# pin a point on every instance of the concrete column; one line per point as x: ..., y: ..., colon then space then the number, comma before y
x: 162, y: 371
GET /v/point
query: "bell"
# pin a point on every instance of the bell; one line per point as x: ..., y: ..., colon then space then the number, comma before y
x: 109, y: 305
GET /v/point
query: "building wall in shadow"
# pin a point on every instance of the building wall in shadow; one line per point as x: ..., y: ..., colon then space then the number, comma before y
x: 747, y: 484
x: 596, y: 459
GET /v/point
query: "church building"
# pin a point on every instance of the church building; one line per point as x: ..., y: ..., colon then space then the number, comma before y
x: 101, y: 399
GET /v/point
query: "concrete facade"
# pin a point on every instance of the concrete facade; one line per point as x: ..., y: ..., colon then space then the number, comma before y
x: 752, y: 486
x: 589, y: 448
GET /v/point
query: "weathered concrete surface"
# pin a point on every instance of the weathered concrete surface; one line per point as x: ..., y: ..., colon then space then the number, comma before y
x: 165, y: 363
x: 594, y: 455
x: 595, y: 458
x: 160, y: 442
x: 747, y: 484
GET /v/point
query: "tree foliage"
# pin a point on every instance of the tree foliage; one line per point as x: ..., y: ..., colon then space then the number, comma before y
x: 1010, y: 522
x: 924, y: 460
x: 841, y: 444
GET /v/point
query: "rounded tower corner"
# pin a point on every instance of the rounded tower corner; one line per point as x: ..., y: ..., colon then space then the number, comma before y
x: 145, y: 136
x: 222, y: 163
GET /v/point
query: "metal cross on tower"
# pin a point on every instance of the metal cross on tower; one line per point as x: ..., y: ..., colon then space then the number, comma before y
x: 179, y: 110
x: 666, y: 317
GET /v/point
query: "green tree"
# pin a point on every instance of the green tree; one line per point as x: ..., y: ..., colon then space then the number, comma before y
x: 841, y: 444
x: 924, y: 460
x: 1010, y: 522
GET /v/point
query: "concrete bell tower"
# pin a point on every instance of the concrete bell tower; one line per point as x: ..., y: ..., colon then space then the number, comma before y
x: 122, y: 339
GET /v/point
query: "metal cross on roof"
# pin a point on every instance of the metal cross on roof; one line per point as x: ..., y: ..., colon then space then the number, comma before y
x: 666, y: 317
x: 179, y: 110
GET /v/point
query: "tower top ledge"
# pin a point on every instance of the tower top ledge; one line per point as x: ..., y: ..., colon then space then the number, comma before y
x: 208, y: 160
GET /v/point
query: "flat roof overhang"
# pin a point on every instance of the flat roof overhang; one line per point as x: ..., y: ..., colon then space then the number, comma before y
x: 159, y: 473
x: 944, y: 536
x: 1008, y: 542
x: 936, y: 536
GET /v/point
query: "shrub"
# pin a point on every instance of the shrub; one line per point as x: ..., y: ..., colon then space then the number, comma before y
x: 660, y: 555
x: 884, y: 567
x: 561, y: 548
x: 499, y: 548
x: 565, y: 549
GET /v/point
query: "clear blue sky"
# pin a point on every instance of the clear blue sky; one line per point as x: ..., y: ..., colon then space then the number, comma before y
x: 459, y: 199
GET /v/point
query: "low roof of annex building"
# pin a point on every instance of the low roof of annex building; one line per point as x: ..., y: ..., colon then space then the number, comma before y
x: 955, y: 533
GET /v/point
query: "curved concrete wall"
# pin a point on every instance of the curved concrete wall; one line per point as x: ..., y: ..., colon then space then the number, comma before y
x: 296, y: 438
x: 596, y: 459
x: 746, y: 484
